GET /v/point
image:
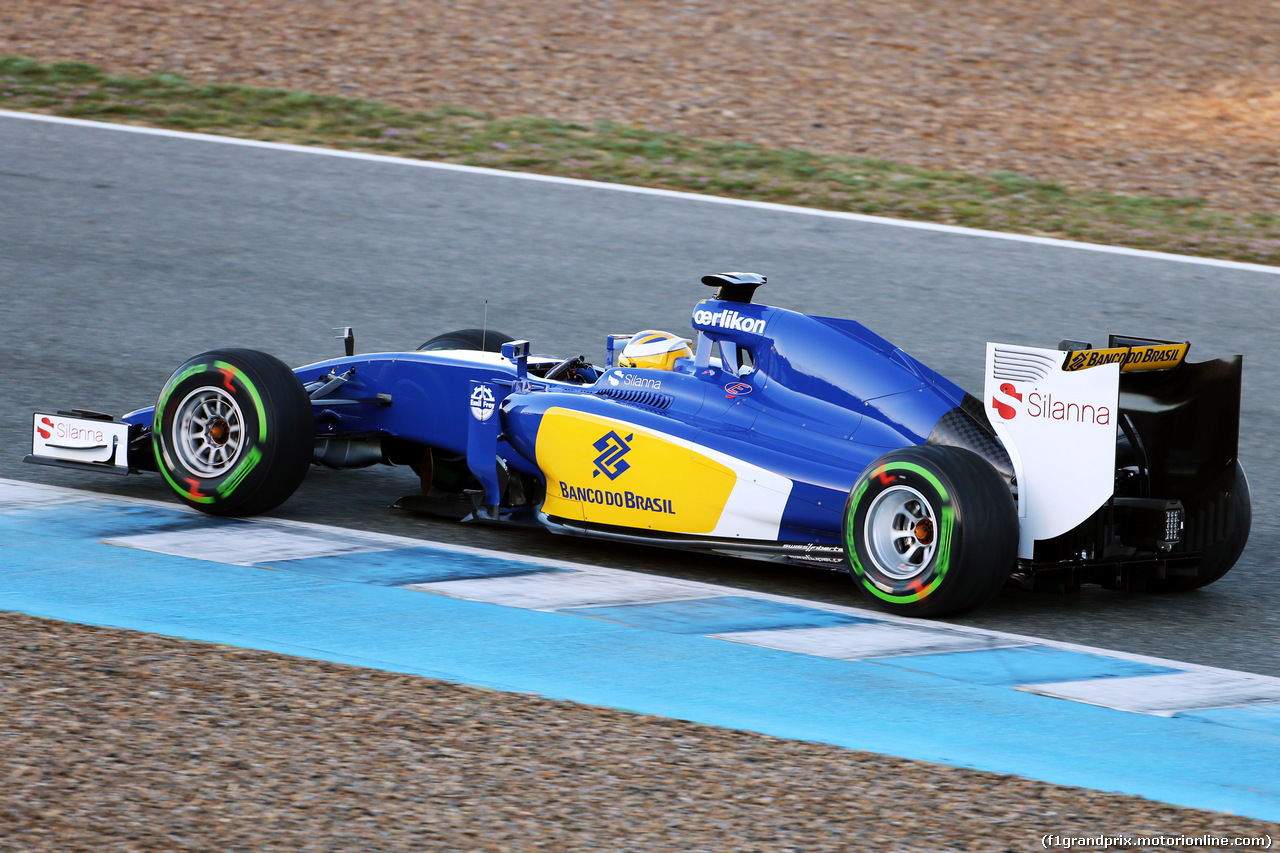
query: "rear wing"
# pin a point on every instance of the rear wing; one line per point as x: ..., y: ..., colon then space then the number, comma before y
x: 1132, y: 354
x: 1181, y: 419
x: 1183, y: 425
x: 1061, y: 416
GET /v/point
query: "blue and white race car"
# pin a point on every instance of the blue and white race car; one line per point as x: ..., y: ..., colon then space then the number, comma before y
x: 777, y: 435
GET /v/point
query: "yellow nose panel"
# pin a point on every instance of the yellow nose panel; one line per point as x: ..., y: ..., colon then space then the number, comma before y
x: 608, y: 472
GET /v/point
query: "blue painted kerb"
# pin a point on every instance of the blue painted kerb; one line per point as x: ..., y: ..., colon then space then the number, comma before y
x: 860, y: 705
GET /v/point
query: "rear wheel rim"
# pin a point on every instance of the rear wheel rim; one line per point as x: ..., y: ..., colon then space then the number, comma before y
x: 900, y: 533
x: 208, y: 432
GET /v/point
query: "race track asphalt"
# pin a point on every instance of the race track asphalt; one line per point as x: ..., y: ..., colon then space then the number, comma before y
x: 123, y: 254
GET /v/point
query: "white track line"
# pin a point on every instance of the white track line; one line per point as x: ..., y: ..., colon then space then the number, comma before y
x: 1166, y: 695
x: 859, y: 642
x: 252, y: 544
x: 674, y: 194
x: 563, y: 591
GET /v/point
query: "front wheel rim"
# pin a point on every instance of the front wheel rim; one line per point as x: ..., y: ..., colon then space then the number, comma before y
x: 208, y: 432
x: 901, y: 533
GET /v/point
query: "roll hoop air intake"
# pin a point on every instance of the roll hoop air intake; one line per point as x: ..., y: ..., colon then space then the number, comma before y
x: 734, y: 286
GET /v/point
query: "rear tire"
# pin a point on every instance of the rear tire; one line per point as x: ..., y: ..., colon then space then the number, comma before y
x: 233, y: 432
x: 472, y: 339
x: 1219, y: 557
x: 930, y: 531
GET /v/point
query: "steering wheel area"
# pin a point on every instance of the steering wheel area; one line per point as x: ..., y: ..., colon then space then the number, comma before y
x: 575, y: 369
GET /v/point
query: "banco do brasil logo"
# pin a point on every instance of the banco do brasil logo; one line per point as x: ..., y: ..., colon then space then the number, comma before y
x: 612, y: 448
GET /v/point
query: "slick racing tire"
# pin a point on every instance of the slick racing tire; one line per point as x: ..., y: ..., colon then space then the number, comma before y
x: 472, y: 339
x: 930, y: 531
x: 1219, y: 557
x: 233, y: 432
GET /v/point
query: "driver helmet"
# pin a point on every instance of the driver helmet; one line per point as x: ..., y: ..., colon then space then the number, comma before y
x: 654, y: 350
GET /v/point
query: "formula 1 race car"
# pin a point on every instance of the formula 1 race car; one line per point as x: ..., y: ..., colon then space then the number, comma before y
x: 778, y: 436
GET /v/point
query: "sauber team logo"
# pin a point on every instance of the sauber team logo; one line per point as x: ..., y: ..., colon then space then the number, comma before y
x: 612, y: 448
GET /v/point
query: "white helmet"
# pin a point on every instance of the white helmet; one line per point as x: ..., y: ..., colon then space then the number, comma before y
x: 655, y: 350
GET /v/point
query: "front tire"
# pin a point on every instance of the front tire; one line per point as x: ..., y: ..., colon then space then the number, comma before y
x: 233, y: 432
x: 450, y: 473
x: 930, y: 531
x: 468, y: 339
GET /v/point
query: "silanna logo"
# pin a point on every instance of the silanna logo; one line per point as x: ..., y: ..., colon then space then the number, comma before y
x: 1047, y: 407
x: 1005, y: 408
x: 89, y: 438
x: 635, y: 381
x: 612, y: 448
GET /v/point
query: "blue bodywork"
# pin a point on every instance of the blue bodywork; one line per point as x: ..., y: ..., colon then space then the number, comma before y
x: 812, y: 399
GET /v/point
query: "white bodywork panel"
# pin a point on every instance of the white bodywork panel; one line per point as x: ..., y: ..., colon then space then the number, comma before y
x: 1060, y: 430
x: 73, y: 439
